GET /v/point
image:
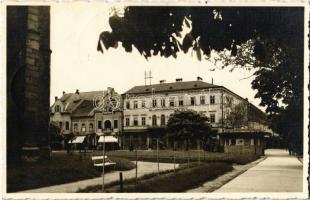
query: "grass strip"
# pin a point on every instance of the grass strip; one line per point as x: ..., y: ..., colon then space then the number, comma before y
x: 62, y: 168
x: 185, y: 177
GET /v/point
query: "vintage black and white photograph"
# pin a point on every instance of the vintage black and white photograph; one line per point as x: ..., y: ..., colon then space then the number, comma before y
x: 126, y: 99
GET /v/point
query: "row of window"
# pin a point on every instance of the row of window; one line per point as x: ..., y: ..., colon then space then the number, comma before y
x: 107, y: 125
x: 67, y: 125
x: 142, y: 122
x: 83, y: 127
x: 135, y: 121
x: 171, y: 103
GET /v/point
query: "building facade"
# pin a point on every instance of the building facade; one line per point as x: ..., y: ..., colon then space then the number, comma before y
x: 138, y: 117
x: 87, y: 115
x: 146, y: 111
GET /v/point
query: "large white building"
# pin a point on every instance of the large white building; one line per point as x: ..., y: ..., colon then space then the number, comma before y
x: 148, y: 107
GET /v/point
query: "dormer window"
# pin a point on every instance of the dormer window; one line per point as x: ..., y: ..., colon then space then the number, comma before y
x: 57, y: 108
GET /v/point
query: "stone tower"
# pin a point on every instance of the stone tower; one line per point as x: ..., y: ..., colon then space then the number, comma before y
x: 28, y: 80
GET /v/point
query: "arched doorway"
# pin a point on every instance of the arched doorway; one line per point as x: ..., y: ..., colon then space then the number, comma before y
x: 107, y: 124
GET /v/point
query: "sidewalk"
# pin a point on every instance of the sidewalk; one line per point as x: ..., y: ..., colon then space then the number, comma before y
x: 143, y: 168
x: 215, y: 184
x: 279, y: 172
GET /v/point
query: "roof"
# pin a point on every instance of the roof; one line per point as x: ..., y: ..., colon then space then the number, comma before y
x: 72, y: 101
x: 168, y: 87
x: 83, y: 109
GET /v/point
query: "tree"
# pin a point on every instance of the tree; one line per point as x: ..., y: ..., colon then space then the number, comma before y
x: 268, y: 39
x: 55, y: 136
x: 237, y: 116
x: 186, y: 125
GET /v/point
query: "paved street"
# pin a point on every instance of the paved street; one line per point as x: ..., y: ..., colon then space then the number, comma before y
x: 279, y: 172
x: 143, y: 168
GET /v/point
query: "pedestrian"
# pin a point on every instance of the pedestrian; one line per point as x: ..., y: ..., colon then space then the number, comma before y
x: 290, y: 149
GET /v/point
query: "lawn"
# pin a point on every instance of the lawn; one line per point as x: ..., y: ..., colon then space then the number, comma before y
x: 62, y: 168
x: 167, y: 156
x: 182, y: 179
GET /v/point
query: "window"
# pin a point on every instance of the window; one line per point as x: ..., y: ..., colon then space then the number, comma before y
x: 57, y: 108
x: 99, y: 125
x: 60, y: 125
x: 162, y: 102
x: 202, y: 100
x: 233, y: 142
x: 83, y: 128
x: 127, y: 104
x: 171, y: 102
x: 127, y: 122
x: 67, y: 126
x: 143, y: 104
x: 135, y: 121
x: 212, y: 99
x: 115, y: 123
x: 181, y: 102
x: 212, y: 118
x: 143, y: 121
x: 162, y: 120
x: 135, y: 104
x: 91, y: 127
x: 107, y: 124
x: 154, y: 103
x: 154, y: 120
x: 75, y: 127
x: 193, y: 101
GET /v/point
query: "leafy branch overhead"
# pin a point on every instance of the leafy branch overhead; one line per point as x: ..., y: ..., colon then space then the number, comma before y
x: 268, y: 39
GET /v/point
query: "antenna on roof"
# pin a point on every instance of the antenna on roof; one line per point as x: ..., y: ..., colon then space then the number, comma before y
x: 148, y: 75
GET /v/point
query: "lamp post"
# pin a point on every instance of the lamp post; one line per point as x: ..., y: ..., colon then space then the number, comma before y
x: 103, y: 161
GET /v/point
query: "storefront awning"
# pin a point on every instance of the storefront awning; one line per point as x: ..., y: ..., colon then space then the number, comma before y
x: 78, y: 140
x: 108, y: 139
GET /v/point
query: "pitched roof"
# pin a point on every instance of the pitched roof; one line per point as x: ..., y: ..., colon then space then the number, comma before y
x: 168, y: 87
x: 72, y: 101
x: 83, y: 109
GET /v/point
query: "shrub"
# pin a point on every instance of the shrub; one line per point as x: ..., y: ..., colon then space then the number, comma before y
x: 122, y: 164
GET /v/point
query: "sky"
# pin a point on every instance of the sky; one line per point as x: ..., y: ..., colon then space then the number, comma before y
x: 76, y: 63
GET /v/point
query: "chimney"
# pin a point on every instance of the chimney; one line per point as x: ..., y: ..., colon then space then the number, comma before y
x: 56, y: 98
x: 199, y: 78
x: 77, y: 91
x: 63, y: 92
x: 162, y: 81
x: 212, y: 81
x: 179, y: 80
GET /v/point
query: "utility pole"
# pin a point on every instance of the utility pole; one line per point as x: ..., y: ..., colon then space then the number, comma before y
x: 157, y: 158
x: 136, y: 166
x: 103, y: 161
x: 148, y: 75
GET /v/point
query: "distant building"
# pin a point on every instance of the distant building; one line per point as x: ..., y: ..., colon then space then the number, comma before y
x: 86, y: 115
x: 139, y: 116
x: 148, y: 107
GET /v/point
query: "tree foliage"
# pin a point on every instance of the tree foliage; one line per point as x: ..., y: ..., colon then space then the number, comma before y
x: 268, y: 39
x: 184, y: 125
x: 237, y: 117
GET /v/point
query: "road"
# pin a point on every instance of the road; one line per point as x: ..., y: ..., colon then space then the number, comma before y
x: 279, y: 172
x: 143, y: 168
